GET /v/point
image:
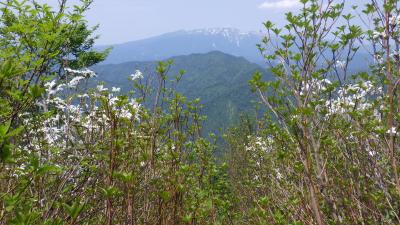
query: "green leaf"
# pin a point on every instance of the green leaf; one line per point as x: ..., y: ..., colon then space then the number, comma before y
x: 14, y: 132
x: 48, y: 169
x: 109, y: 191
x: 5, y: 150
x: 74, y: 210
x: 36, y: 91
x: 4, y: 129
x: 165, y: 195
x: 187, y: 218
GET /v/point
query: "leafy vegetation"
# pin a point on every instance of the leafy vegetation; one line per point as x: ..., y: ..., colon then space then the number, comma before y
x: 325, y: 152
x: 328, y: 152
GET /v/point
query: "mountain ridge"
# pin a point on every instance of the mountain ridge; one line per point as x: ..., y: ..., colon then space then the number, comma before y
x: 184, y: 42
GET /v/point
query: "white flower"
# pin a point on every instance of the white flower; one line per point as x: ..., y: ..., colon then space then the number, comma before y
x: 114, y: 89
x: 60, y: 103
x: 259, y: 143
x: 89, y: 73
x: 52, y: 88
x: 113, y: 100
x: 372, y: 153
x: 134, y: 104
x: 136, y: 75
x: 392, y: 131
x: 101, y: 88
x: 352, y: 97
x: 60, y: 87
x: 314, y: 85
x: 278, y: 174
x: 340, y: 64
x: 376, y: 35
x: 125, y: 113
x: 85, y: 72
x: 50, y: 85
x: 75, y: 81
x: 83, y: 96
x: 326, y: 81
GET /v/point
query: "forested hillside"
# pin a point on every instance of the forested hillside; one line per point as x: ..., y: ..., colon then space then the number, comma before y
x: 219, y: 80
x: 88, y: 143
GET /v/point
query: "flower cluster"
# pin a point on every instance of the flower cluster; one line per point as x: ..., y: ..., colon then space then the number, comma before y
x: 341, y: 64
x: 352, y: 97
x: 378, y: 35
x: 85, y: 72
x: 137, y: 75
x: 259, y: 143
x: 314, y: 86
x: 81, y: 110
x: 392, y: 131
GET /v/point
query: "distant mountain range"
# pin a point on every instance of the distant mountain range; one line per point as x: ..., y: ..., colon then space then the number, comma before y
x: 218, y: 79
x: 228, y: 40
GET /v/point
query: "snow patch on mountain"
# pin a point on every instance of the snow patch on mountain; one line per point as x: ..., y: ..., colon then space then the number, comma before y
x: 233, y: 35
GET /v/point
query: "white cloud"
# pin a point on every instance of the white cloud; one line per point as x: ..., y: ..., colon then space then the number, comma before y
x: 279, y: 4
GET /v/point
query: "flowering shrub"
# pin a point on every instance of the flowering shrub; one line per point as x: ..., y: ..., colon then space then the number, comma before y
x: 73, y: 155
x: 334, y: 150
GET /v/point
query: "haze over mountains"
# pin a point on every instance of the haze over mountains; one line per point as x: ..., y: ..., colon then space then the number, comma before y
x: 228, y: 40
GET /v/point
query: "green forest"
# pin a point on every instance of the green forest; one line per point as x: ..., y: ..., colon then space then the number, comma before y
x: 311, y: 136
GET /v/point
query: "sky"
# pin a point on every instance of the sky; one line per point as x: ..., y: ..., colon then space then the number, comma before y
x: 127, y: 20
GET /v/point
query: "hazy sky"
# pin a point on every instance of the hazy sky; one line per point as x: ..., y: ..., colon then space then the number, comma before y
x: 127, y: 20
